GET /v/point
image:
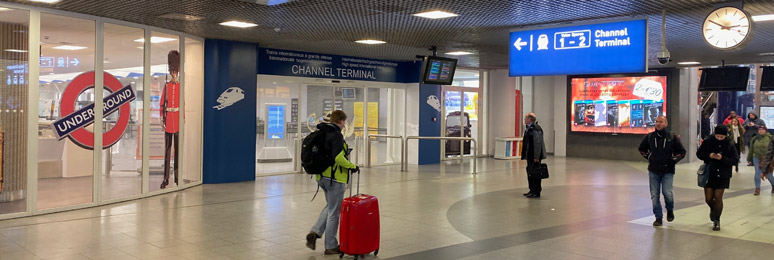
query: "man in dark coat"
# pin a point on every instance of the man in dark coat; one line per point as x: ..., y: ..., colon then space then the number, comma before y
x: 663, y: 150
x: 533, y: 151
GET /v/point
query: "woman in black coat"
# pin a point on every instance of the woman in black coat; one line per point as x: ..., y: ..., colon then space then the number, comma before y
x: 720, y: 155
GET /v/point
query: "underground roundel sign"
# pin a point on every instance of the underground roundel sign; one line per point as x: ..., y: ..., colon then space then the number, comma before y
x: 72, y: 122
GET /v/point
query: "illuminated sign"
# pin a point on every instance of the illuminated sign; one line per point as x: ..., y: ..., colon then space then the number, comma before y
x: 616, y: 47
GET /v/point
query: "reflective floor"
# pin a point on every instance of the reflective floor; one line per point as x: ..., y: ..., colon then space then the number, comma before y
x: 590, y: 209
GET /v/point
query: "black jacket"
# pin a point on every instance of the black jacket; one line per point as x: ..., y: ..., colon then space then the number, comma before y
x: 662, y: 150
x: 725, y: 148
x: 534, y: 147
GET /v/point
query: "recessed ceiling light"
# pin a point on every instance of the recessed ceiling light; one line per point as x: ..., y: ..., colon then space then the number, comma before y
x: 238, y: 24
x: 69, y: 47
x: 14, y: 50
x: 458, y: 53
x: 762, y: 18
x: 436, y: 14
x: 370, y: 41
x: 689, y: 63
x: 157, y: 39
x: 46, y: 1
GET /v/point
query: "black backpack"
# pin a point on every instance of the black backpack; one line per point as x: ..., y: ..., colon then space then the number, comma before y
x: 315, y: 156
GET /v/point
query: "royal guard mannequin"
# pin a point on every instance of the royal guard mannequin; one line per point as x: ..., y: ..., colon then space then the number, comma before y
x: 170, y: 114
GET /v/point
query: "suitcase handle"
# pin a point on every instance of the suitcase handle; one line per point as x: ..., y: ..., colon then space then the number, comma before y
x: 358, y: 183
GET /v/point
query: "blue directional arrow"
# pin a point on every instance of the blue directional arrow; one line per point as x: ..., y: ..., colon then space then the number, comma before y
x: 75, y: 62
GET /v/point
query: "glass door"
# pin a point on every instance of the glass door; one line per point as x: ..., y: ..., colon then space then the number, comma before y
x: 460, y: 120
x: 385, y: 113
x: 277, y: 131
x: 351, y: 100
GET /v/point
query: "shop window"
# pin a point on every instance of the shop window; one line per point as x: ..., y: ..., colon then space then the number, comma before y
x: 165, y: 91
x: 194, y: 97
x: 14, y: 32
x: 277, y: 127
x: 122, y: 162
x: 65, y: 160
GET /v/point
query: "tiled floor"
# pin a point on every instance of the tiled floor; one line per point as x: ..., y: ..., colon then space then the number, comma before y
x: 590, y: 209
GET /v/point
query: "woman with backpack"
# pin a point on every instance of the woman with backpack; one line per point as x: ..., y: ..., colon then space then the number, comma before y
x: 333, y: 180
x: 759, y: 147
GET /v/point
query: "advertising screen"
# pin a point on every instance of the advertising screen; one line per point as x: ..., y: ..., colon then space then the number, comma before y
x: 621, y: 105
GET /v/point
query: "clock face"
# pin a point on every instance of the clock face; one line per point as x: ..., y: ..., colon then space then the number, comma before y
x: 727, y: 28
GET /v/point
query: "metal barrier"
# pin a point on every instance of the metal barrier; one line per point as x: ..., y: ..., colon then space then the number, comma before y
x: 404, y: 164
x: 368, y: 147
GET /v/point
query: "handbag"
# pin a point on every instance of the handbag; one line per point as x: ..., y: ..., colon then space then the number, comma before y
x: 539, y: 171
x: 702, y: 175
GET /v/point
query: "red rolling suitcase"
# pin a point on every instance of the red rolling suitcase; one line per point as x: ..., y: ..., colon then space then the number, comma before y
x: 359, y: 227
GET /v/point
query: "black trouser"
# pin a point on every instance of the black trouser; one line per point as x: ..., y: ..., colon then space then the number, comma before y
x: 169, y: 138
x: 534, y: 183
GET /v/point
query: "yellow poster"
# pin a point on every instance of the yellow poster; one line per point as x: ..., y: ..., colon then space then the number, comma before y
x: 358, y: 106
x: 373, y: 118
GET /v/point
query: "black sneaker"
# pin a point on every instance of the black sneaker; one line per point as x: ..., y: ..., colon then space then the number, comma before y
x: 311, y: 240
x: 533, y: 196
x: 333, y: 251
x: 716, y: 225
x: 670, y: 216
x: 526, y: 194
x: 658, y: 222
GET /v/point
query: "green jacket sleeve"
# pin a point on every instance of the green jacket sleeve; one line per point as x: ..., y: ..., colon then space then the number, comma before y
x: 341, y: 160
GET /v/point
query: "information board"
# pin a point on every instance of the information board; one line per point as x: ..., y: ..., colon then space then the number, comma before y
x: 275, y: 125
x: 615, y: 47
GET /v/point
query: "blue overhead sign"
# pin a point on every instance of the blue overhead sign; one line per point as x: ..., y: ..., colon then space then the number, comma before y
x: 315, y: 65
x: 616, y: 47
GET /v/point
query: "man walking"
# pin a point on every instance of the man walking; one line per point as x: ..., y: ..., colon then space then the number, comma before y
x: 533, y: 151
x: 663, y: 150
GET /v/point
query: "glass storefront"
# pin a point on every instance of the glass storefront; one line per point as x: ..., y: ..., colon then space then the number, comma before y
x: 14, y: 91
x: 61, y: 167
x: 290, y: 108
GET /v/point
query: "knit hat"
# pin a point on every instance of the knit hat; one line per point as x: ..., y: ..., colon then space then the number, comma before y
x: 721, y: 130
x: 762, y: 127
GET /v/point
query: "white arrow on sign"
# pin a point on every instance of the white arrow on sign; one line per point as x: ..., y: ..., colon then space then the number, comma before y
x: 75, y: 62
x: 519, y: 43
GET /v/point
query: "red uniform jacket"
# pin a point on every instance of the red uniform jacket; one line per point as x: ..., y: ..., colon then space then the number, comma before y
x: 171, y: 94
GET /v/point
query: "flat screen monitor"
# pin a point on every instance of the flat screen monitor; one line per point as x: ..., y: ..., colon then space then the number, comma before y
x: 438, y: 70
x: 616, y: 104
x: 724, y: 79
x: 767, y: 78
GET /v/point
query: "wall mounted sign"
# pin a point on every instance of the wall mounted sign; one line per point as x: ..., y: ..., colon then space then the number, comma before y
x: 71, y: 123
x: 314, y: 65
x: 615, y: 47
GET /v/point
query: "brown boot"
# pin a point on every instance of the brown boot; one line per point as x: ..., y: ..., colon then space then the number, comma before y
x: 757, y: 191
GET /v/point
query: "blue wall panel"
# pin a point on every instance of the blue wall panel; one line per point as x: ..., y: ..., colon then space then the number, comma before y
x: 229, y: 132
x: 429, y: 150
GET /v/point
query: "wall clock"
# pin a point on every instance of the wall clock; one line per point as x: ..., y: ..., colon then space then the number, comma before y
x: 728, y: 28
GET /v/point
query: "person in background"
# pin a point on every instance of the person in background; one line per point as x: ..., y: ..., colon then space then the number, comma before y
x: 533, y: 151
x: 736, y: 134
x: 719, y: 155
x: 751, y: 129
x: 759, y: 148
x: 706, y: 129
x: 663, y: 150
x: 733, y: 115
x: 333, y: 182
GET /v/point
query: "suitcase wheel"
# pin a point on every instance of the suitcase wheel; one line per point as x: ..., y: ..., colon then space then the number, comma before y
x: 376, y: 252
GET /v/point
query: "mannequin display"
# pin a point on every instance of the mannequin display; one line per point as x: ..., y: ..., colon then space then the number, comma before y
x: 170, y: 115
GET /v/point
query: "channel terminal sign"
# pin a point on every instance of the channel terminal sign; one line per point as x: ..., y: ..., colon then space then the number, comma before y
x: 615, y: 47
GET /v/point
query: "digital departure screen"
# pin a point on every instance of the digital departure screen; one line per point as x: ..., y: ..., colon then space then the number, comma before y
x: 622, y: 105
x: 439, y: 70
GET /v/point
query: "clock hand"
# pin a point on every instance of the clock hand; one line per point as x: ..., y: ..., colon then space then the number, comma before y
x: 722, y: 27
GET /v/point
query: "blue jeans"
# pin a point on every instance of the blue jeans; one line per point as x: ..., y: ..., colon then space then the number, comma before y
x: 757, y: 176
x: 329, y: 217
x: 661, y: 183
